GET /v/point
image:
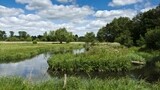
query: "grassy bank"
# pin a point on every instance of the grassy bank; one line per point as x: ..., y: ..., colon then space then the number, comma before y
x: 74, y: 83
x: 19, y: 51
x: 99, y: 58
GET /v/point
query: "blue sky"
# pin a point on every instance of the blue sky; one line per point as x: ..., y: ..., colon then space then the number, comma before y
x: 78, y: 16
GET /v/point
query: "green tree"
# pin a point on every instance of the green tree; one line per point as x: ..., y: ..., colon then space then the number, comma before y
x: 51, y: 36
x: 152, y: 38
x: 89, y: 37
x: 101, y: 34
x: 11, y: 33
x: 2, y: 35
x: 61, y: 35
x: 22, y: 35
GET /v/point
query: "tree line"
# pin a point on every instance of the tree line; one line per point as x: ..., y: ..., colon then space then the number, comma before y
x: 61, y: 35
x: 142, y: 30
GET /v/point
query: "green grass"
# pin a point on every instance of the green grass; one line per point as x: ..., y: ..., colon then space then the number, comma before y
x: 74, y: 83
x: 99, y: 58
x: 10, y: 52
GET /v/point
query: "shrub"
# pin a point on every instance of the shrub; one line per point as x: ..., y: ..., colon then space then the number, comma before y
x: 152, y: 38
x: 34, y: 42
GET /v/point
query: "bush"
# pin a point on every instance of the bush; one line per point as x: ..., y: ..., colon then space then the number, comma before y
x: 34, y: 42
x: 152, y: 38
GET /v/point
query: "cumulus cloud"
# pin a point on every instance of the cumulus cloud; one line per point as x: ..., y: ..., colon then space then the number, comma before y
x: 66, y: 1
x: 4, y: 11
x: 109, y: 15
x: 35, y: 4
x: 123, y: 2
x: 66, y: 12
x: 48, y: 16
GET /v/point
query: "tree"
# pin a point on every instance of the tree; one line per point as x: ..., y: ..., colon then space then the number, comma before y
x: 11, y: 33
x: 152, y: 38
x: 101, y: 34
x: 76, y: 38
x: 118, y: 30
x: 61, y: 35
x: 89, y: 37
x: 45, y: 35
x: 22, y: 35
x: 51, y: 36
x: 2, y: 35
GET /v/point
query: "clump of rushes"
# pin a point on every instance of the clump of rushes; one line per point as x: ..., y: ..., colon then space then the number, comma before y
x: 102, y: 58
x: 16, y: 52
x: 76, y: 83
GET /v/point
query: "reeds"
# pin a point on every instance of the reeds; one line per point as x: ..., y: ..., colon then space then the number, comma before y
x: 102, y: 58
x: 76, y: 83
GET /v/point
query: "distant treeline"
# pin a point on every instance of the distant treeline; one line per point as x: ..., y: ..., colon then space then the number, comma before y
x: 142, y: 30
x: 60, y: 35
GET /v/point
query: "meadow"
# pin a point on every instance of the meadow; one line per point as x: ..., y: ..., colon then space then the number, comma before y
x: 11, y: 52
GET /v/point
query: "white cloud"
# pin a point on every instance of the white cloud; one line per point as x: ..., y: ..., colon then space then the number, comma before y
x: 115, y: 13
x: 35, y: 4
x: 65, y: 1
x: 30, y: 17
x: 123, y: 2
x: 4, y: 11
x: 48, y: 16
x: 66, y: 12
x: 147, y: 9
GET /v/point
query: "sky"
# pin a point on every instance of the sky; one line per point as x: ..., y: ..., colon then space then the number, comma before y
x: 77, y: 16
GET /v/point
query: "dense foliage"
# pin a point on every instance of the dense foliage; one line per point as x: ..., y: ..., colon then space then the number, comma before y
x: 137, y: 31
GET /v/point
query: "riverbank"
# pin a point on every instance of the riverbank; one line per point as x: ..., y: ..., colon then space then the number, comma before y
x: 101, y: 58
x: 12, y: 52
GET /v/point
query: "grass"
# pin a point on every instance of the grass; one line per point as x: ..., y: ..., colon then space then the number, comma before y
x: 76, y: 83
x: 10, y: 52
x: 99, y: 58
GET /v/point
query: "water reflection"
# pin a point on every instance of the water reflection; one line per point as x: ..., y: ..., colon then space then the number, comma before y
x: 79, y: 51
x: 34, y: 68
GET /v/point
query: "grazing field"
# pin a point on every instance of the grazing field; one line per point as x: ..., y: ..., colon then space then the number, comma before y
x: 76, y: 83
x: 10, y: 52
x: 101, y: 58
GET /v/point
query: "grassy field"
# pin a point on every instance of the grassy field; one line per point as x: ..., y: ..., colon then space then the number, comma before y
x: 76, y: 83
x: 19, y: 51
x: 100, y: 58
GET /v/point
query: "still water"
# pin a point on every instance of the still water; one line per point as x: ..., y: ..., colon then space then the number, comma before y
x: 34, y: 68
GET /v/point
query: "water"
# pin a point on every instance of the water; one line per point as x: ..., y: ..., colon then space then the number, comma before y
x: 34, y: 68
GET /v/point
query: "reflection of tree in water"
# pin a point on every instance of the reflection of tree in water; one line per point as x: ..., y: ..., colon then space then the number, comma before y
x: 150, y: 72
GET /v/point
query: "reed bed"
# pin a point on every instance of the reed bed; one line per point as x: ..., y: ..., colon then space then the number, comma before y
x: 101, y: 58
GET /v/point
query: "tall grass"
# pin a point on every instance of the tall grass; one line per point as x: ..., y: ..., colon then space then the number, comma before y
x: 15, y: 52
x: 99, y: 58
x: 74, y: 83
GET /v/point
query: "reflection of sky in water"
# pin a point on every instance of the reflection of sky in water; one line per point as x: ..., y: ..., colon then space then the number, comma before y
x: 36, y: 68
x: 78, y: 51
